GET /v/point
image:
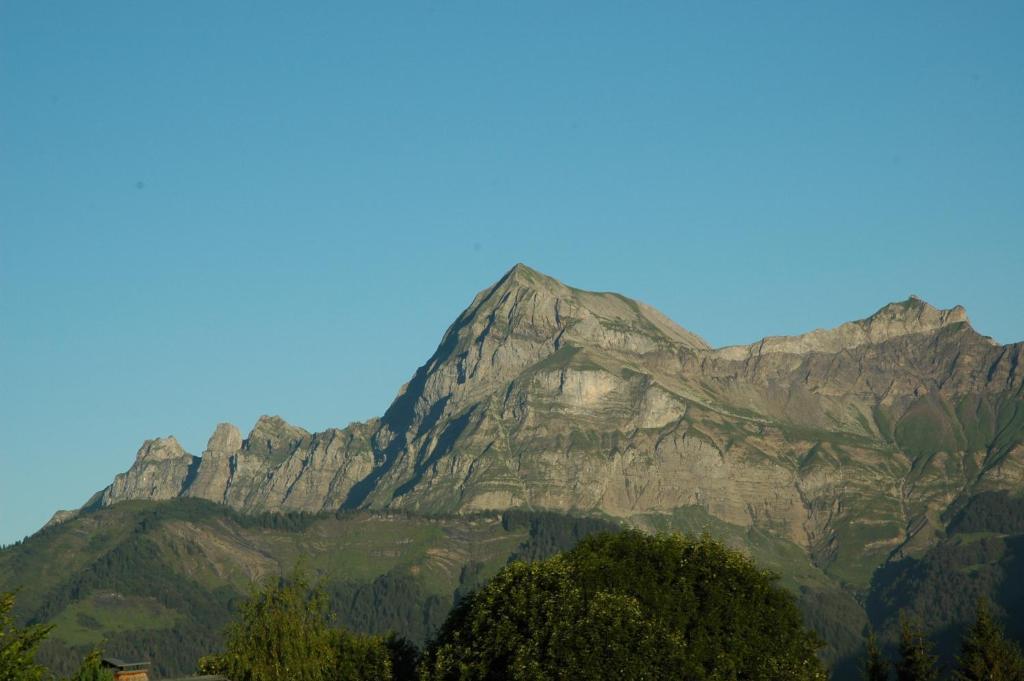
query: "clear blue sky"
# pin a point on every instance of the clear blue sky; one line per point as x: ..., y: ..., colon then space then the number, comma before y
x: 215, y: 210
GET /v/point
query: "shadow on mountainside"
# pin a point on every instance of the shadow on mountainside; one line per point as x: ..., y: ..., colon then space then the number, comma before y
x: 444, y: 445
x: 401, y: 415
x: 1010, y: 595
x: 398, y: 419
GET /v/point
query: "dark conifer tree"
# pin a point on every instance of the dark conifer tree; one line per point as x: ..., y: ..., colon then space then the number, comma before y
x: 876, y: 667
x: 18, y: 645
x: 917, y: 661
x: 985, y: 654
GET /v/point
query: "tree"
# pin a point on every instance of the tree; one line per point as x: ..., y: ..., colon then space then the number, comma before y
x: 92, y: 669
x: 917, y: 661
x: 284, y: 633
x: 876, y: 667
x: 404, y: 657
x: 986, y: 655
x: 628, y: 606
x: 18, y: 645
x: 212, y: 665
x: 358, y: 656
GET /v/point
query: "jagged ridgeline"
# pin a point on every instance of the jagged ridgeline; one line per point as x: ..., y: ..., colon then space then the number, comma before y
x: 826, y: 455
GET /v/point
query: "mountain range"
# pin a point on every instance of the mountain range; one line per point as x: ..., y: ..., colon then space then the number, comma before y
x: 850, y: 442
x: 833, y: 455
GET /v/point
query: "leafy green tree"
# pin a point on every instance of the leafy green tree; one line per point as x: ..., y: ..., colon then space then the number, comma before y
x: 876, y: 667
x: 533, y: 622
x: 360, y: 657
x: 917, y: 661
x: 92, y: 669
x: 282, y: 634
x: 18, y: 645
x: 986, y: 655
x: 212, y: 665
x: 628, y: 606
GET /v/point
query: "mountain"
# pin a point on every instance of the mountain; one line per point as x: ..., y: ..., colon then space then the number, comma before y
x: 828, y: 455
x: 850, y: 442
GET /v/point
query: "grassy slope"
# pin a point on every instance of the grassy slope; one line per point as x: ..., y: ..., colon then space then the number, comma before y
x: 159, y: 580
x: 149, y: 576
x: 99, y: 615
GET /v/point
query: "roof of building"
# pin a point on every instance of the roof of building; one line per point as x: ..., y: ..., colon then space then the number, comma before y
x: 121, y: 664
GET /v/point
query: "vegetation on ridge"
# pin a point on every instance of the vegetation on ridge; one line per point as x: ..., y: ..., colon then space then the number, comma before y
x: 628, y: 606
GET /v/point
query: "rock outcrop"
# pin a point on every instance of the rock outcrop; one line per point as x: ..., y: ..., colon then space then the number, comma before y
x: 162, y: 470
x: 851, y: 442
x: 282, y: 467
x: 217, y: 467
x: 908, y: 318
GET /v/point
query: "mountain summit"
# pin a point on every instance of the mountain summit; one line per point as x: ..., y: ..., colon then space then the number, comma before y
x: 910, y: 317
x: 853, y: 443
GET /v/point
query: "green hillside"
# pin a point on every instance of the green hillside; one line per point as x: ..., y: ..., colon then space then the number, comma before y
x: 159, y: 580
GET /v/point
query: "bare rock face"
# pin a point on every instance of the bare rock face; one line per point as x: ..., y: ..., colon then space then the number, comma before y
x: 851, y: 442
x: 279, y: 466
x: 911, y: 317
x: 61, y: 517
x: 215, y: 469
x: 319, y: 471
x: 226, y: 439
x: 162, y: 470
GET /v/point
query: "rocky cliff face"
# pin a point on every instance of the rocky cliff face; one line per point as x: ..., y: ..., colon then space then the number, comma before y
x: 281, y: 467
x: 851, y: 442
x: 162, y: 470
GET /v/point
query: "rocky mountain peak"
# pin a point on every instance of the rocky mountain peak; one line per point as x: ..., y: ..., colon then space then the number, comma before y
x: 913, y: 315
x: 524, y: 275
x: 226, y: 438
x: 909, y: 317
x: 519, y: 322
x: 161, y: 471
x: 160, y: 449
x: 525, y: 302
x: 273, y: 437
